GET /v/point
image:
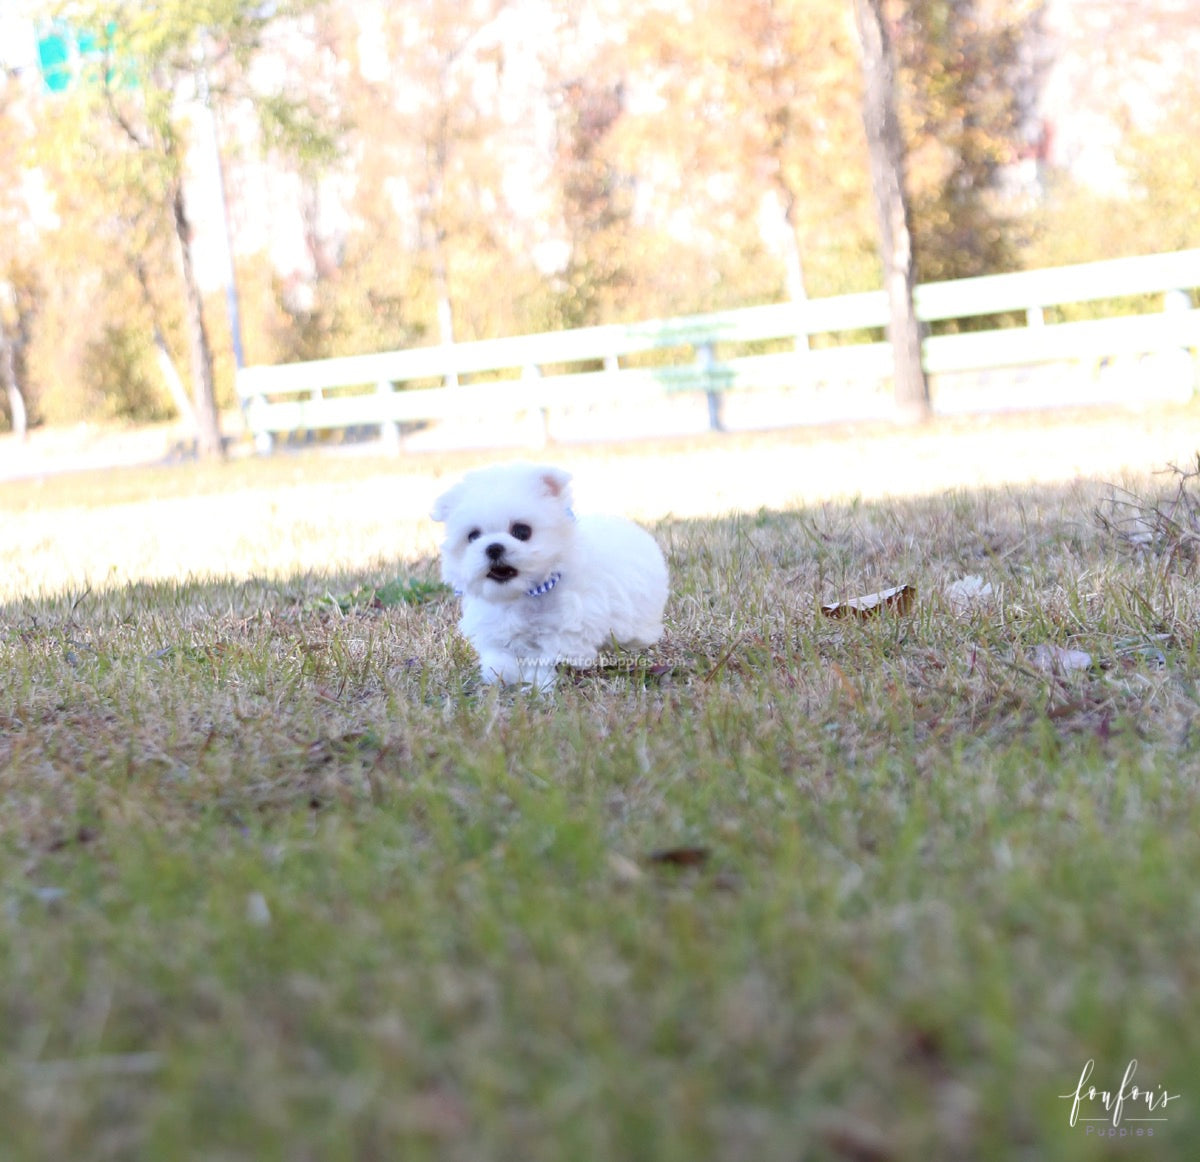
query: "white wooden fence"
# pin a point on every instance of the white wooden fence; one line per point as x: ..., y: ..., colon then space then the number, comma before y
x: 829, y: 353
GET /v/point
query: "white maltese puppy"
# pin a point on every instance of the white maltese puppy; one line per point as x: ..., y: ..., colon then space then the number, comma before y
x: 540, y: 587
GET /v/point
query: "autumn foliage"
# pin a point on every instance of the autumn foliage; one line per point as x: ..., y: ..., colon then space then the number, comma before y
x: 453, y: 171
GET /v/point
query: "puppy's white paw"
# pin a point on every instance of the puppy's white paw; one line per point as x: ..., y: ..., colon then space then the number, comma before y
x: 538, y: 673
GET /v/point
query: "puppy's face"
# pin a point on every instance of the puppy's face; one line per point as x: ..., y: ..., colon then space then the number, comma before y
x: 507, y: 529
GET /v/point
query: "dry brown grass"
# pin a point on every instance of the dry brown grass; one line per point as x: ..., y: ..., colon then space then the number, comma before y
x: 280, y: 880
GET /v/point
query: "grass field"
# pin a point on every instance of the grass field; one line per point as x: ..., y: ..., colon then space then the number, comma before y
x: 281, y: 881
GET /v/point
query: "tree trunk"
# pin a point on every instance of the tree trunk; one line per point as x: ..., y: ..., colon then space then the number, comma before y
x: 208, y: 426
x: 166, y: 365
x: 886, y: 149
x: 436, y: 164
x: 445, y: 307
x: 794, y: 267
x: 8, y: 376
x: 173, y: 380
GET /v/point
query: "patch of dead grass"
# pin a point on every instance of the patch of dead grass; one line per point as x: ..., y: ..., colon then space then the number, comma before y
x: 784, y: 886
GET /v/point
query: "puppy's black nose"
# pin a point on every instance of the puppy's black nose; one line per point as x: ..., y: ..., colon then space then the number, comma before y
x: 494, y: 551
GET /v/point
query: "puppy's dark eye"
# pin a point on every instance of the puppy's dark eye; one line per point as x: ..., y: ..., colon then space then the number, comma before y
x: 521, y: 531
x: 472, y: 535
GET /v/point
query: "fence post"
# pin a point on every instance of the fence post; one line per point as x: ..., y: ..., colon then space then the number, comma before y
x: 706, y: 359
x: 802, y: 344
x: 389, y: 429
x: 264, y: 441
x: 1035, y: 317
x: 1176, y: 302
x: 529, y: 373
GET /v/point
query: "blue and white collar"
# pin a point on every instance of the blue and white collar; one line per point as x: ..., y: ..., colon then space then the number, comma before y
x: 537, y: 591
x: 545, y: 587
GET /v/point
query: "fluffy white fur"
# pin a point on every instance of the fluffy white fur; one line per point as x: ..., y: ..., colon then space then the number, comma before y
x: 509, y: 530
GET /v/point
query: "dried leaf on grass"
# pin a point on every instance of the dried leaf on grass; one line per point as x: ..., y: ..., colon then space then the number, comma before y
x: 80, y: 836
x: 1058, y: 659
x: 623, y: 869
x: 853, y: 1138
x: 258, y: 911
x: 679, y: 856
x: 436, y: 1112
x: 967, y: 591
x: 899, y: 600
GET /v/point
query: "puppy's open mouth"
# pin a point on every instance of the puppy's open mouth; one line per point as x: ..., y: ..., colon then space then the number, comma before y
x: 502, y: 573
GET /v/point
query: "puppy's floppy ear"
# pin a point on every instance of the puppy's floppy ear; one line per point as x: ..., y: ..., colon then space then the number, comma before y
x: 555, y: 482
x: 445, y: 503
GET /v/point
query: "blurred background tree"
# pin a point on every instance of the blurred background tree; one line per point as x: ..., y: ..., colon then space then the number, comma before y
x: 406, y: 174
x: 1127, y: 183
x: 428, y: 91
x: 966, y: 86
x: 18, y: 280
x: 119, y: 148
x: 753, y: 112
x: 888, y: 163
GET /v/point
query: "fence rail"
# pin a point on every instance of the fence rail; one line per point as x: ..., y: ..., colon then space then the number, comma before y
x: 830, y: 348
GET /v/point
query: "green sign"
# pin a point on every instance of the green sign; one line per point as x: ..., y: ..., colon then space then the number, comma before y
x: 54, y: 57
x: 63, y: 51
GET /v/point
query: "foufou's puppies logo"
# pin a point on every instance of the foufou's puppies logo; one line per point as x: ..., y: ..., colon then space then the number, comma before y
x: 1104, y: 1111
